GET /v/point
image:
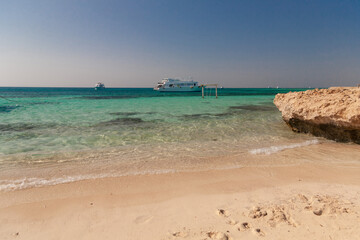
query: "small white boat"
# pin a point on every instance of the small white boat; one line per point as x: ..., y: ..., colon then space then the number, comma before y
x: 177, y: 85
x: 99, y: 86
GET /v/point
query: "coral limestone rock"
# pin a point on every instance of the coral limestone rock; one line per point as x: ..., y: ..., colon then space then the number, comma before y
x: 333, y: 113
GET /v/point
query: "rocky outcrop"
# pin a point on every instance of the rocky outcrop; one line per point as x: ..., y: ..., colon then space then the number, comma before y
x: 333, y: 113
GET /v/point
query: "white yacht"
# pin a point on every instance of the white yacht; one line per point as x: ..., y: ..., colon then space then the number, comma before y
x: 99, y: 86
x: 177, y: 85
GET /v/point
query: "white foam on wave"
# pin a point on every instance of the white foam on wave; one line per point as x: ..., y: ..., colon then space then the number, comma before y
x: 24, y: 183
x: 17, y: 184
x: 275, y: 149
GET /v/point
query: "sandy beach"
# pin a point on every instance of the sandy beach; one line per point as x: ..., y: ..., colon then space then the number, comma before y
x: 307, y: 199
x: 179, y: 120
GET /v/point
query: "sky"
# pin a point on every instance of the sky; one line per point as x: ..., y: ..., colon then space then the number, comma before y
x: 77, y: 43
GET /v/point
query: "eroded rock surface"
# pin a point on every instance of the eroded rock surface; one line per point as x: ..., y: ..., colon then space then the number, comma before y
x: 333, y: 113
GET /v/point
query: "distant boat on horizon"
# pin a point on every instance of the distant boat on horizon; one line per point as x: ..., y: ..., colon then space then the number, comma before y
x: 177, y: 85
x: 99, y: 86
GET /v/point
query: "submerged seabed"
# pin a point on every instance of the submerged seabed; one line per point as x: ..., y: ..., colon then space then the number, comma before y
x: 53, y: 135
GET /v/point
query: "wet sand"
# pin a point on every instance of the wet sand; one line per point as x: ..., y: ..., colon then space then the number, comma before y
x: 317, y: 196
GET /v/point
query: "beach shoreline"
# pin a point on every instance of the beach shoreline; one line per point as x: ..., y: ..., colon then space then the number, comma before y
x: 186, y: 205
x: 179, y: 120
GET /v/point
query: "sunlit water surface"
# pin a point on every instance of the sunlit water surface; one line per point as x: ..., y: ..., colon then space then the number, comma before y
x: 52, y: 135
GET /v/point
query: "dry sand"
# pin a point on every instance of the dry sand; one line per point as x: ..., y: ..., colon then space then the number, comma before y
x: 308, y: 200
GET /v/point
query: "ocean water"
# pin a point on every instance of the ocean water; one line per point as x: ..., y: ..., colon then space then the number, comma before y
x: 55, y: 135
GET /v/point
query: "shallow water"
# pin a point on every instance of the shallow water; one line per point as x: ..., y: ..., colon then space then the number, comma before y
x: 52, y: 133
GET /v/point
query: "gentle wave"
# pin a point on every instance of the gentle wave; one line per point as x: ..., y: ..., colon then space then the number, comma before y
x: 11, y: 185
x: 24, y: 183
x: 275, y: 149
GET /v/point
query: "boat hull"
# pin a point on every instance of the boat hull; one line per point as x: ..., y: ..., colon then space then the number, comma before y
x: 176, y: 89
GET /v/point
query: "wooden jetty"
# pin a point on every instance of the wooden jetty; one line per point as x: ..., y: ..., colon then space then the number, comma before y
x: 209, y: 85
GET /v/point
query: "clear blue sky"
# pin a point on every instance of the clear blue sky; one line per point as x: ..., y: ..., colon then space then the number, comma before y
x: 136, y: 43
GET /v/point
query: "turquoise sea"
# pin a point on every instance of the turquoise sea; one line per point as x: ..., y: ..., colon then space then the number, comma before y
x: 54, y: 135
